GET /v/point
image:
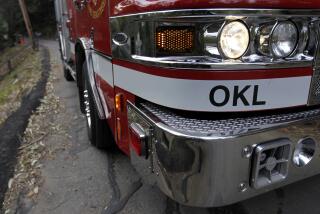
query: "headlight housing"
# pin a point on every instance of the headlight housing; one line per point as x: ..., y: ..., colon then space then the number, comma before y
x: 234, y: 39
x: 215, y: 40
x: 284, y: 39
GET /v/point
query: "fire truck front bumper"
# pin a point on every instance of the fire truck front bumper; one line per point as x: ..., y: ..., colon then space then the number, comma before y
x: 211, y: 163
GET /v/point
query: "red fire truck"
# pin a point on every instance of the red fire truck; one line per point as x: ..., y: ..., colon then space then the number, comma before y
x: 217, y: 101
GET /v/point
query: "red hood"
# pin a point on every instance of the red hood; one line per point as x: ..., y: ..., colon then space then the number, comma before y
x: 122, y: 7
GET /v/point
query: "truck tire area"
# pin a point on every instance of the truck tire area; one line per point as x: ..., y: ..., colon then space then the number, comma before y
x: 80, y: 59
x: 67, y: 75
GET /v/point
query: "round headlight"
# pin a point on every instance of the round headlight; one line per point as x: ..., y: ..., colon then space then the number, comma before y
x: 284, y: 39
x: 234, y: 39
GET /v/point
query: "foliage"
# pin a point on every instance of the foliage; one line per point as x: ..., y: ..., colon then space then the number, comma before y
x: 41, y: 14
x: 9, y: 10
x: 3, y: 32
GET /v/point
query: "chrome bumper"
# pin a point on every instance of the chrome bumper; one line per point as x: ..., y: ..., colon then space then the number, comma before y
x: 212, y: 163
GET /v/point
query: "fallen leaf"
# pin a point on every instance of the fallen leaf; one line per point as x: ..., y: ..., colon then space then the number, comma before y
x: 30, y: 194
x: 10, y: 183
x: 36, y: 190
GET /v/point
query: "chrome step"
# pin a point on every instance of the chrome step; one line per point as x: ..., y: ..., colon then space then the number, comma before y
x: 225, y: 127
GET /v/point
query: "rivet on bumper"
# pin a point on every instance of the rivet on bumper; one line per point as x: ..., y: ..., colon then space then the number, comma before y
x: 243, y: 187
x: 247, y: 152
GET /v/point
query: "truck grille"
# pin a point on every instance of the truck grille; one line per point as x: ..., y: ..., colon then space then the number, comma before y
x: 225, y: 127
x: 317, y: 88
x: 314, y: 96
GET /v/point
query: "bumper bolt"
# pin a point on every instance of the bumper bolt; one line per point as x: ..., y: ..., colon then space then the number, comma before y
x: 243, y: 187
x: 247, y: 151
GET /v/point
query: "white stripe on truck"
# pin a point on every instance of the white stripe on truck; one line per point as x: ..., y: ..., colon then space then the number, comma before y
x: 215, y: 95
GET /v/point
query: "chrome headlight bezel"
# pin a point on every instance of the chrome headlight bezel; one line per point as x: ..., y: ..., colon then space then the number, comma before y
x: 141, y: 28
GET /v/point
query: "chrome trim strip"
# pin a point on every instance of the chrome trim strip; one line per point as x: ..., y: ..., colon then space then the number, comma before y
x: 205, y: 13
x: 107, y: 57
x: 87, y: 46
x: 93, y: 85
x: 195, y: 63
x: 62, y: 45
x: 85, y: 43
x: 72, y: 71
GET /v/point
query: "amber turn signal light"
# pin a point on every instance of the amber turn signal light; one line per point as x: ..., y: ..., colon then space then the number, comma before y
x: 175, y: 40
x: 119, y: 102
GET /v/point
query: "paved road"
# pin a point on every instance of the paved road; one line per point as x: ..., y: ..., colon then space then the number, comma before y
x: 82, y: 179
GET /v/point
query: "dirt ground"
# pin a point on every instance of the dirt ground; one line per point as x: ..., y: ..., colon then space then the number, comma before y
x: 70, y: 176
x: 18, y: 83
x: 20, y: 94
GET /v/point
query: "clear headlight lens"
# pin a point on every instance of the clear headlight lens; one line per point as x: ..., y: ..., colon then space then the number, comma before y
x: 234, y: 39
x: 284, y: 39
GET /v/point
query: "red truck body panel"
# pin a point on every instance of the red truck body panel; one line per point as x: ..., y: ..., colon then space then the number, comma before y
x: 82, y: 24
